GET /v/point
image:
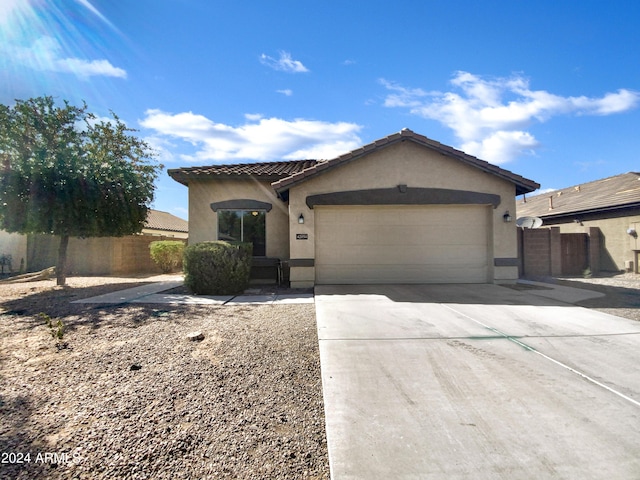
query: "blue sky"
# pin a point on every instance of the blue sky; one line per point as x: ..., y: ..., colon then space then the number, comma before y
x: 547, y: 89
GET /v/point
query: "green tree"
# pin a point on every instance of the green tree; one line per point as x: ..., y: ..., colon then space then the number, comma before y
x: 66, y: 173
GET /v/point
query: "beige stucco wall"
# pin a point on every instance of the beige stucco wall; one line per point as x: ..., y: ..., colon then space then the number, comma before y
x: 89, y: 256
x: 415, y: 166
x: 616, y: 246
x: 203, y: 222
x: 96, y: 256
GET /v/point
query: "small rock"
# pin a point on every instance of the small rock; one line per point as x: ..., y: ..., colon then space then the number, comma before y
x: 195, y: 336
x: 135, y: 366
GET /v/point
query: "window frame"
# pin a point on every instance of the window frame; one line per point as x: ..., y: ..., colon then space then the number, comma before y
x: 242, y: 212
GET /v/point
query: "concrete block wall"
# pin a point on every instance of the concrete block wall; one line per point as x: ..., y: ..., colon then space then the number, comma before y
x: 536, y: 252
x: 540, y: 251
x: 130, y: 254
x: 127, y: 255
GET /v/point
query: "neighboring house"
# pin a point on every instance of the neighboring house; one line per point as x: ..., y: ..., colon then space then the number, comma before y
x: 109, y: 255
x: 165, y: 224
x: 403, y: 209
x: 612, y: 205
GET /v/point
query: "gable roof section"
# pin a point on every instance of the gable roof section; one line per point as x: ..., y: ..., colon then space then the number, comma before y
x: 620, y: 191
x: 269, y: 171
x: 523, y: 185
x: 158, y: 220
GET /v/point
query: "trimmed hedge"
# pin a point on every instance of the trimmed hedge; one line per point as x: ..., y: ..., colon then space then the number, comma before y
x: 217, y: 268
x: 167, y: 254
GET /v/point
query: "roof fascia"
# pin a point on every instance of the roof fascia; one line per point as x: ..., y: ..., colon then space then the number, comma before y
x: 184, y: 178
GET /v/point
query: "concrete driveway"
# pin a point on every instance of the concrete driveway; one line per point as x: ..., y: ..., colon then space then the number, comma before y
x: 476, y: 381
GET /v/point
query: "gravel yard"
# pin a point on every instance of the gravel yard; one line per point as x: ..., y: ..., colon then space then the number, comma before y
x: 622, y: 293
x: 131, y: 397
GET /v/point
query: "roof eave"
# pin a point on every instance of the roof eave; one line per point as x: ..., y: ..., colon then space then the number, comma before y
x: 178, y: 176
x: 522, y: 188
x: 185, y: 178
x: 164, y: 229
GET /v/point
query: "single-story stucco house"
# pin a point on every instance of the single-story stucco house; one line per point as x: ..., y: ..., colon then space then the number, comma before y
x: 610, y: 205
x: 403, y: 209
x: 165, y: 224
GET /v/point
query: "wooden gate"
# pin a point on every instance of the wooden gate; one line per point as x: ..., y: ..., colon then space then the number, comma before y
x: 575, y: 253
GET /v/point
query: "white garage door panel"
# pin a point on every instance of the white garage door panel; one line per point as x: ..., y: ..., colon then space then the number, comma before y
x: 407, y: 255
x: 378, y: 274
x: 401, y: 244
x: 359, y: 234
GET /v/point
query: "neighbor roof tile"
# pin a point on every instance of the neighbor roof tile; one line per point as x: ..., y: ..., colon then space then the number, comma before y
x: 608, y: 193
x: 158, y: 220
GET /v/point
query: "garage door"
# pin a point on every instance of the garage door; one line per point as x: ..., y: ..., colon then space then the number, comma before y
x: 401, y: 244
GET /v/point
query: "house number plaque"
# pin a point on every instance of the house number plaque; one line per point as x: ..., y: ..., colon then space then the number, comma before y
x: 302, y: 236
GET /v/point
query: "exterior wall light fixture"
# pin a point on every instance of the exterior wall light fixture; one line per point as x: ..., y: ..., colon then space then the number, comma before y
x: 507, y: 217
x: 632, y: 231
x: 301, y: 219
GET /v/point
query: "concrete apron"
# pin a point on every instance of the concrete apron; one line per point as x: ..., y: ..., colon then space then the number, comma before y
x: 476, y: 381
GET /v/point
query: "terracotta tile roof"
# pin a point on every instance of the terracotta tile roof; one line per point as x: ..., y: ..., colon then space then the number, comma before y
x: 158, y: 220
x: 270, y: 171
x: 523, y: 185
x: 620, y: 191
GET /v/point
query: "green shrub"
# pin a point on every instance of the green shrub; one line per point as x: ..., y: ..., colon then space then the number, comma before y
x: 217, y: 268
x: 167, y: 254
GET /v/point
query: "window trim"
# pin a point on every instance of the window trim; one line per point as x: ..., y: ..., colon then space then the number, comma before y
x: 242, y: 204
x: 242, y: 211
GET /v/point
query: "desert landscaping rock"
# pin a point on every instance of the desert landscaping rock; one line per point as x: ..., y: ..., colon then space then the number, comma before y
x: 244, y: 402
x: 195, y: 336
x: 621, y: 293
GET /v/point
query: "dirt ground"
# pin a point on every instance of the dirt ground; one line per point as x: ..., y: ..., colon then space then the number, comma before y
x: 126, y: 394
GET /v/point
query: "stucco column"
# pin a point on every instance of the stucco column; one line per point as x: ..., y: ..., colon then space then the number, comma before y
x: 594, y: 250
x: 556, y: 252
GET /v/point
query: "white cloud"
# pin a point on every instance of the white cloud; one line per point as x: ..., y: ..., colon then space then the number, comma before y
x: 402, y: 97
x: 285, y: 63
x: 45, y: 54
x: 258, y: 138
x: 502, y: 145
x: 287, y: 92
x: 490, y: 116
x: 84, y: 68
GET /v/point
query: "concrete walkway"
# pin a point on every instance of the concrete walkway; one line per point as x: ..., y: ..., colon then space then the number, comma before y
x: 152, y: 293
